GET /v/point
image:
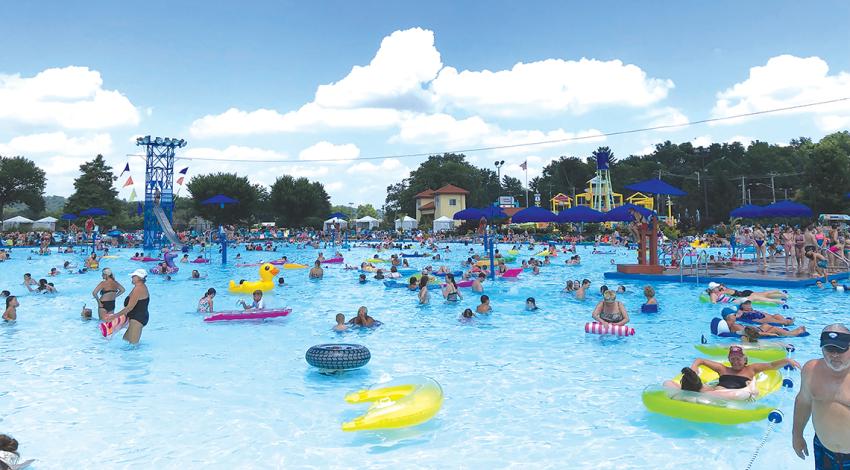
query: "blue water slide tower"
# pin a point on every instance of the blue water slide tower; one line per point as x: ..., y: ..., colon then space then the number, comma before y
x: 159, y: 184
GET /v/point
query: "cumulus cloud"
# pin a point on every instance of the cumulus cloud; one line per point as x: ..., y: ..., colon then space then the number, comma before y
x: 787, y: 80
x: 235, y: 152
x: 57, y: 142
x: 69, y: 97
x: 404, y: 61
x: 550, y: 85
x: 667, y: 116
x: 387, y: 165
x: 327, y: 151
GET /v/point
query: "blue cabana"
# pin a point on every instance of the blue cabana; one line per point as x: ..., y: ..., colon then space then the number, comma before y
x: 534, y: 214
x: 748, y: 211
x: 656, y: 186
x: 787, y: 209
x: 579, y: 214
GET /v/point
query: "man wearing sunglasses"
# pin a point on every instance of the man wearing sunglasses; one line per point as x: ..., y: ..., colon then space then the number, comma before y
x: 825, y: 396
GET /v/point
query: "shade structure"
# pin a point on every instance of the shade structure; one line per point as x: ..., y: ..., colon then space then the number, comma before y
x: 219, y: 199
x: 534, y: 214
x: 15, y: 222
x: 94, y: 212
x: 579, y: 214
x: 331, y: 223
x: 748, y: 211
x: 68, y: 216
x: 787, y: 209
x: 45, y: 223
x: 468, y: 214
x: 622, y: 213
x: 338, y: 215
x: 443, y: 223
x: 405, y: 223
x: 493, y: 212
x: 656, y: 186
x: 367, y: 222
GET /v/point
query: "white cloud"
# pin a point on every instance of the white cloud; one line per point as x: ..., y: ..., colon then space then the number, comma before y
x: 387, y: 165
x: 550, y: 85
x: 69, y: 97
x: 235, y: 152
x: 327, y: 151
x: 394, y: 77
x: 334, y: 186
x: 702, y: 141
x: 57, y: 142
x: 667, y: 116
x: 784, y: 81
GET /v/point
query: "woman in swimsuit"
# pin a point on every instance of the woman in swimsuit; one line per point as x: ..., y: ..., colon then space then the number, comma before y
x: 363, y: 319
x: 450, y: 291
x: 758, y: 241
x: 106, y: 292
x: 788, y: 247
x: 205, y: 305
x: 739, y: 375
x: 136, y: 308
x: 772, y: 296
x: 764, y: 328
x: 799, y: 244
x: 610, y: 311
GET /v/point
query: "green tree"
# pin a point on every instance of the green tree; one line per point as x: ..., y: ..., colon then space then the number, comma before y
x: 366, y: 209
x: 94, y: 188
x: 513, y: 187
x: 299, y: 202
x: 21, y: 181
x: 827, y: 174
x: 251, y: 198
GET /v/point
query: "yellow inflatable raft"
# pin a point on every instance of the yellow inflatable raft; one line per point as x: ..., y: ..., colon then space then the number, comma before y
x: 398, y: 404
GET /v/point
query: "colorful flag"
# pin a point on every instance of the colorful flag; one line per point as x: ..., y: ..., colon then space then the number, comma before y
x: 184, y: 170
x: 129, y: 182
x: 524, y: 165
x: 180, y: 180
x: 133, y: 195
x: 126, y: 169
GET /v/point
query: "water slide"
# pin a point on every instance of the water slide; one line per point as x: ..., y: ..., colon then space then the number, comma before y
x: 166, y: 226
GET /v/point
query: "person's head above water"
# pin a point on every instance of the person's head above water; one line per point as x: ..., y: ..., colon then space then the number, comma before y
x: 690, y: 380
x: 737, y: 357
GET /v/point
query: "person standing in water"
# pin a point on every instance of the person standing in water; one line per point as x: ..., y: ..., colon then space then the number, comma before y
x: 136, y: 307
x: 106, y: 292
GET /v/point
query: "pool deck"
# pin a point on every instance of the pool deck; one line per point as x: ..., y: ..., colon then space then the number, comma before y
x: 740, y: 274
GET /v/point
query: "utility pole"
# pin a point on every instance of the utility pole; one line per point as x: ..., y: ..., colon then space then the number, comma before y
x: 743, y: 192
x: 772, y: 186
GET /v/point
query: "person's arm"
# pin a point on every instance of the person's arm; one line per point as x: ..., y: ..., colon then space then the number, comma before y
x: 95, y: 291
x: 624, y: 313
x: 802, y: 412
x: 715, y: 366
x: 131, y: 303
x: 596, y: 311
x: 763, y: 366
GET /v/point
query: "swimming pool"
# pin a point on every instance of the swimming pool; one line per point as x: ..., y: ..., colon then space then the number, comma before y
x: 521, y: 388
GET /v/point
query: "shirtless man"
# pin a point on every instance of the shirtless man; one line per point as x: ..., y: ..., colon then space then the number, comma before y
x: 825, y: 396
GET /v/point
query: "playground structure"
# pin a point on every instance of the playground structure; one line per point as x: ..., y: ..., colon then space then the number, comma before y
x: 159, y: 194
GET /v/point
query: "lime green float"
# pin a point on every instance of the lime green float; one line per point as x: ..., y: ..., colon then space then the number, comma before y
x: 704, y: 298
x: 703, y: 408
x: 761, y: 351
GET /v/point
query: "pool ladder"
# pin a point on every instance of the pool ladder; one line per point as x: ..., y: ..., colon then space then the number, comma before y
x: 696, y: 260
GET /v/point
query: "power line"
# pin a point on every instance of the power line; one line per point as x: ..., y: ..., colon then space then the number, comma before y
x: 530, y: 144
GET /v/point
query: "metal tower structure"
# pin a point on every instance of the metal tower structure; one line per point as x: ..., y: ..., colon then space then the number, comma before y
x: 159, y: 182
x: 600, y: 185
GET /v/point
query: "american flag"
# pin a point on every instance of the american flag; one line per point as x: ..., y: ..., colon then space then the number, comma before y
x: 524, y: 165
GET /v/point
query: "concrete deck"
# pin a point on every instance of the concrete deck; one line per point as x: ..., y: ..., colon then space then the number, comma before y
x: 739, y: 274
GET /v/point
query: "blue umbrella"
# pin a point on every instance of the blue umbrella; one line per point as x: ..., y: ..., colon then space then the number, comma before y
x: 656, y: 186
x: 220, y: 199
x: 468, y: 214
x: 534, y: 214
x: 748, y: 211
x: 493, y: 212
x: 787, y: 209
x: 114, y: 233
x: 68, y: 216
x: 622, y: 214
x: 579, y: 214
x: 94, y: 212
x: 338, y: 215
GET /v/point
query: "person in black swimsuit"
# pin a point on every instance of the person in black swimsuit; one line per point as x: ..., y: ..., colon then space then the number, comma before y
x: 106, y: 292
x: 136, y: 307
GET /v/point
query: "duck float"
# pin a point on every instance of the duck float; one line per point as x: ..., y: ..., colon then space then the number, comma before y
x: 266, y: 282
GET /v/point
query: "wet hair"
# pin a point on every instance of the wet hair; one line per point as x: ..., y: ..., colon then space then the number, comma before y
x: 690, y: 380
x: 569, y: 284
x: 5, y: 293
x: 423, y: 281
x: 609, y: 295
x: 649, y: 291
x: 468, y: 313
x: 258, y: 291
x: 603, y: 289
x: 484, y: 299
x: 752, y: 333
x: 210, y: 292
x: 8, y: 444
x: 9, y: 300
x: 585, y: 281
x: 280, y: 281
x: 531, y: 299
x: 339, y: 317
x: 27, y: 275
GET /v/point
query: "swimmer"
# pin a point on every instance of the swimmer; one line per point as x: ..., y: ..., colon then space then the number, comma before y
x: 29, y: 282
x: 649, y: 293
x: 53, y: 272
x: 363, y: 319
x: 484, y: 306
x: 746, y: 313
x: 467, y: 314
x: 476, y: 283
x: 11, y: 312
x: 581, y: 292
x: 205, y: 305
x: 621, y: 289
x: 411, y: 284
x: 257, y: 303
x: 135, y: 307
x: 764, y: 329
x: 610, y: 311
x: 450, y: 290
x: 185, y: 258
x: 86, y: 313
x: 280, y: 281
x: 340, y: 323
x: 530, y: 304
x: 45, y: 287
x: 105, y: 293
x: 316, y: 272
x: 424, y: 296
x: 380, y: 274
x: 362, y: 279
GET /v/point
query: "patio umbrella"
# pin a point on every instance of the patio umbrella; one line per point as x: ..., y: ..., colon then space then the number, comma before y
x: 219, y: 199
x: 787, y: 209
x: 656, y: 186
x: 748, y: 211
x: 579, y: 214
x: 493, y: 212
x: 534, y: 214
x: 621, y: 214
x: 94, y: 212
x: 338, y: 215
x: 468, y: 214
x: 69, y: 218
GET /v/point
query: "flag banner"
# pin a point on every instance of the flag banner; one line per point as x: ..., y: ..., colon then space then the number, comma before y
x: 133, y: 195
x: 184, y: 170
x: 524, y: 165
x: 180, y: 180
x: 126, y: 169
x: 129, y: 182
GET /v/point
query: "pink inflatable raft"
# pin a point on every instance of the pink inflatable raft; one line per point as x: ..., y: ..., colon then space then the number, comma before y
x: 599, y: 329
x: 248, y: 315
x: 200, y: 260
x: 109, y: 327
x: 145, y: 259
x: 333, y: 261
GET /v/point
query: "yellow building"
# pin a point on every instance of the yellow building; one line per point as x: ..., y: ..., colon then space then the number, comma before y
x: 444, y: 202
x: 586, y: 198
x: 641, y: 199
x: 560, y: 202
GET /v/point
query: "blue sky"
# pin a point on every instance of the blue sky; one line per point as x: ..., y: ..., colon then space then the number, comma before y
x: 275, y: 81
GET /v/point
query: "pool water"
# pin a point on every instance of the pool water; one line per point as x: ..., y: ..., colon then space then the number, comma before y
x: 522, y: 389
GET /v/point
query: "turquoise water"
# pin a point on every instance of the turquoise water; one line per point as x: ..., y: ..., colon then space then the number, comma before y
x: 521, y: 388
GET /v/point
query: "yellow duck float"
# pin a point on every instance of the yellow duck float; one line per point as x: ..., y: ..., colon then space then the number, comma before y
x: 266, y: 283
x: 398, y: 404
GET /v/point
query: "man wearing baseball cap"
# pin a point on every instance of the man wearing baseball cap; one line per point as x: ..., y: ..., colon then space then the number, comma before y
x: 825, y: 396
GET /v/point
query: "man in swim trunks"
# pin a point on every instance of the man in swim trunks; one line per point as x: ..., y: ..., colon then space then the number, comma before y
x: 739, y: 374
x: 825, y: 396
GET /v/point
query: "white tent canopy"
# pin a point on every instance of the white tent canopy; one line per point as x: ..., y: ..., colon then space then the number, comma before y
x: 329, y: 224
x: 46, y: 223
x: 405, y: 223
x: 15, y: 222
x: 368, y: 222
x: 443, y: 223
